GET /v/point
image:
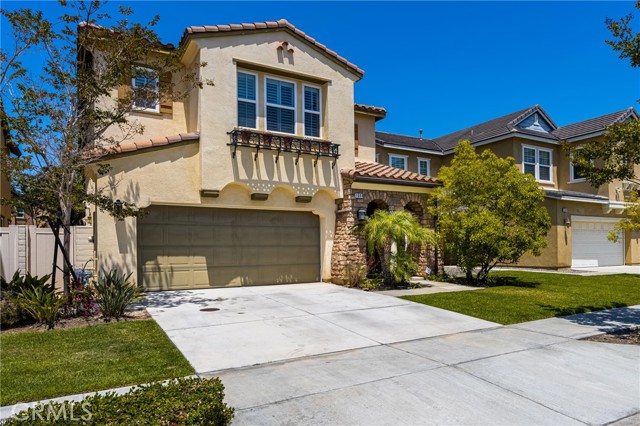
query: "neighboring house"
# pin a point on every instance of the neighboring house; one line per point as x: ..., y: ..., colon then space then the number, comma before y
x: 582, y: 215
x: 260, y: 178
x: 7, y: 147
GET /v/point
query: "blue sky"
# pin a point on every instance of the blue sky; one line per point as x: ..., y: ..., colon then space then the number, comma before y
x: 443, y: 66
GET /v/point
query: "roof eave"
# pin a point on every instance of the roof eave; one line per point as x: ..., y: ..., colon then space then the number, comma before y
x: 358, y: 72
x: 389, y: 181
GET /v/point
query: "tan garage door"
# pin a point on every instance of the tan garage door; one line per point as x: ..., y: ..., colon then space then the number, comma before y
x: 192, y: 247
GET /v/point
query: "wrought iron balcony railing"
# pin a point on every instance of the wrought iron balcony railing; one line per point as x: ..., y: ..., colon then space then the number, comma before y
x: 283, y: 143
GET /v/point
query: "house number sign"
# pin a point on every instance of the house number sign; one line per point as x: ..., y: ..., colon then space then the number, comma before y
x: 358, y: 195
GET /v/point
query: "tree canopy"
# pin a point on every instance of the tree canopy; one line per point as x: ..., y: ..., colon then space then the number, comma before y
x: 62, y: 116
x: 488, y: 211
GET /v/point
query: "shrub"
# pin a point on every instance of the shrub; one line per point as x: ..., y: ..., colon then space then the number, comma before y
x: 42, y: 303
x: 13, y: 312
x: 10, y: 313
x: 114, y: 293
x: 82, y: 301
x: 371, y: 283
x: 484, y: 224
x: 181, y: 402
x: 354, y: 273
x: 18, y: 282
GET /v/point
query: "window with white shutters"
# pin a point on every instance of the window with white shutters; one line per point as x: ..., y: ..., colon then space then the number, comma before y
x: 280, y: 106
x: 312, y: 115
x: 247, y: 100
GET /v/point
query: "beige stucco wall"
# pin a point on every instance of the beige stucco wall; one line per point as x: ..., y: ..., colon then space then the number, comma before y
x: 366, y: 137
x: 412, y: 159
x: 170, y: 176
x: 218, y: 112
x: 175, y: 175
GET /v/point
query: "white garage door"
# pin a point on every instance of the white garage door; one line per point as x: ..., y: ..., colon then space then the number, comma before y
x: 196, y: 247
x: 590, y: 243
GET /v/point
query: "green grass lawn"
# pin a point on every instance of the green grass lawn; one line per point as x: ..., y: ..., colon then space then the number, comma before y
x: 37, y: 365
x: 528, y: 296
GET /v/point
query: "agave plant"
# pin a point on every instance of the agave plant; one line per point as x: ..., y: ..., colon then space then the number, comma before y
x: 114, y: 292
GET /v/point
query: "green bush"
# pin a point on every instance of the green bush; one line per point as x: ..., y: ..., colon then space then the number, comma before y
x: 10, y: 313
x: 354, y: 273
x: 18, y: 282
x: 114, y: 293
x: 181, y: 402
x: 42, y: 303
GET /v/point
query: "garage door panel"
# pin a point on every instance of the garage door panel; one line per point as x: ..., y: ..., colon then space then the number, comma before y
x: 591, y: 245
x: 190, y: 247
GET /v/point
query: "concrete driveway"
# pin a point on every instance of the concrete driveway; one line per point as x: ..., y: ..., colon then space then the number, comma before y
x: 318, y: 354
x: 257, y: 325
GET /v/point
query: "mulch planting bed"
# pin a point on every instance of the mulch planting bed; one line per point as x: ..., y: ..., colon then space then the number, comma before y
x: 626, y: 337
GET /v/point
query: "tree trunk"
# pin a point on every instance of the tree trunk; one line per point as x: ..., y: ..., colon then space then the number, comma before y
x: 385, y: 263
x: 66, y: 226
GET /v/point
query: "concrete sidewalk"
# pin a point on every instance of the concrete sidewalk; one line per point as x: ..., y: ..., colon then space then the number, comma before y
x: 501, y: 376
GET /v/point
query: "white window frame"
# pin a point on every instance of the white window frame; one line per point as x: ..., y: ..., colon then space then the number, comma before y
x: 403, y: 157
x: 20, y: 214
x: 377, y: 157
x: 255, y: 102
x: 537, y: 150
x: 319, y: 112
x: 571, y: 169
x: 425, y: 160
x: 294, y: 108
x: 133, y: 86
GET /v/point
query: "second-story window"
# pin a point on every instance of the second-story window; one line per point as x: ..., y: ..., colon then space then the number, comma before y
x: 537, y: 162
x: 424, y: 166
x: 146, y: 91
x: 247, y: 100
x: 280, y: 106
x: 398, y: 161
x: 312, y: 111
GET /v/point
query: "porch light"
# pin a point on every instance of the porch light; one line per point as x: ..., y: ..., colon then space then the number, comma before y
x: 117, y: 205
x: 362, y: 214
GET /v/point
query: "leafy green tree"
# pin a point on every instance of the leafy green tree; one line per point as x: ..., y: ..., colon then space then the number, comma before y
x: 59, y: 116
x: 488, y: 211
x: 616, y: 156
x: 390, y: 234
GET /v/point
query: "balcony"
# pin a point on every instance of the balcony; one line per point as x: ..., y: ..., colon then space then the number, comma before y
x: 283, y: 143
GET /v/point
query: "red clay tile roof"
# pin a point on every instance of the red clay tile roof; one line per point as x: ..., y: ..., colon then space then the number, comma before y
x: 265, y: 26
x: 127, y: 147
x: 379, y: 112
x: 387, y: 173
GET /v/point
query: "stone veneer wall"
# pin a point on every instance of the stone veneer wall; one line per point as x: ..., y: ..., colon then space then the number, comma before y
x: 349, y: 248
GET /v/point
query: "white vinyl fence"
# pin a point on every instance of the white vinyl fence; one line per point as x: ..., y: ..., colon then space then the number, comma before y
x: 30, y: 249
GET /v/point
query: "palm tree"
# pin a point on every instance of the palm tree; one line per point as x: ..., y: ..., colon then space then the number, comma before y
x: 390, y: 234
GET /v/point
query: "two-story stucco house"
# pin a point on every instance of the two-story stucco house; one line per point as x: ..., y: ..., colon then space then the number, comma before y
x: 242, y: 180
x: 260, y: 178
x: 582, y: 215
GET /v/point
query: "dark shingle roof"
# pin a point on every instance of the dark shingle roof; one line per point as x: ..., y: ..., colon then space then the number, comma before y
x: 592, y: 125
x: 408, y: 141
x: 506, y: 125
x: 493, y: 128
x: 552, y: 193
